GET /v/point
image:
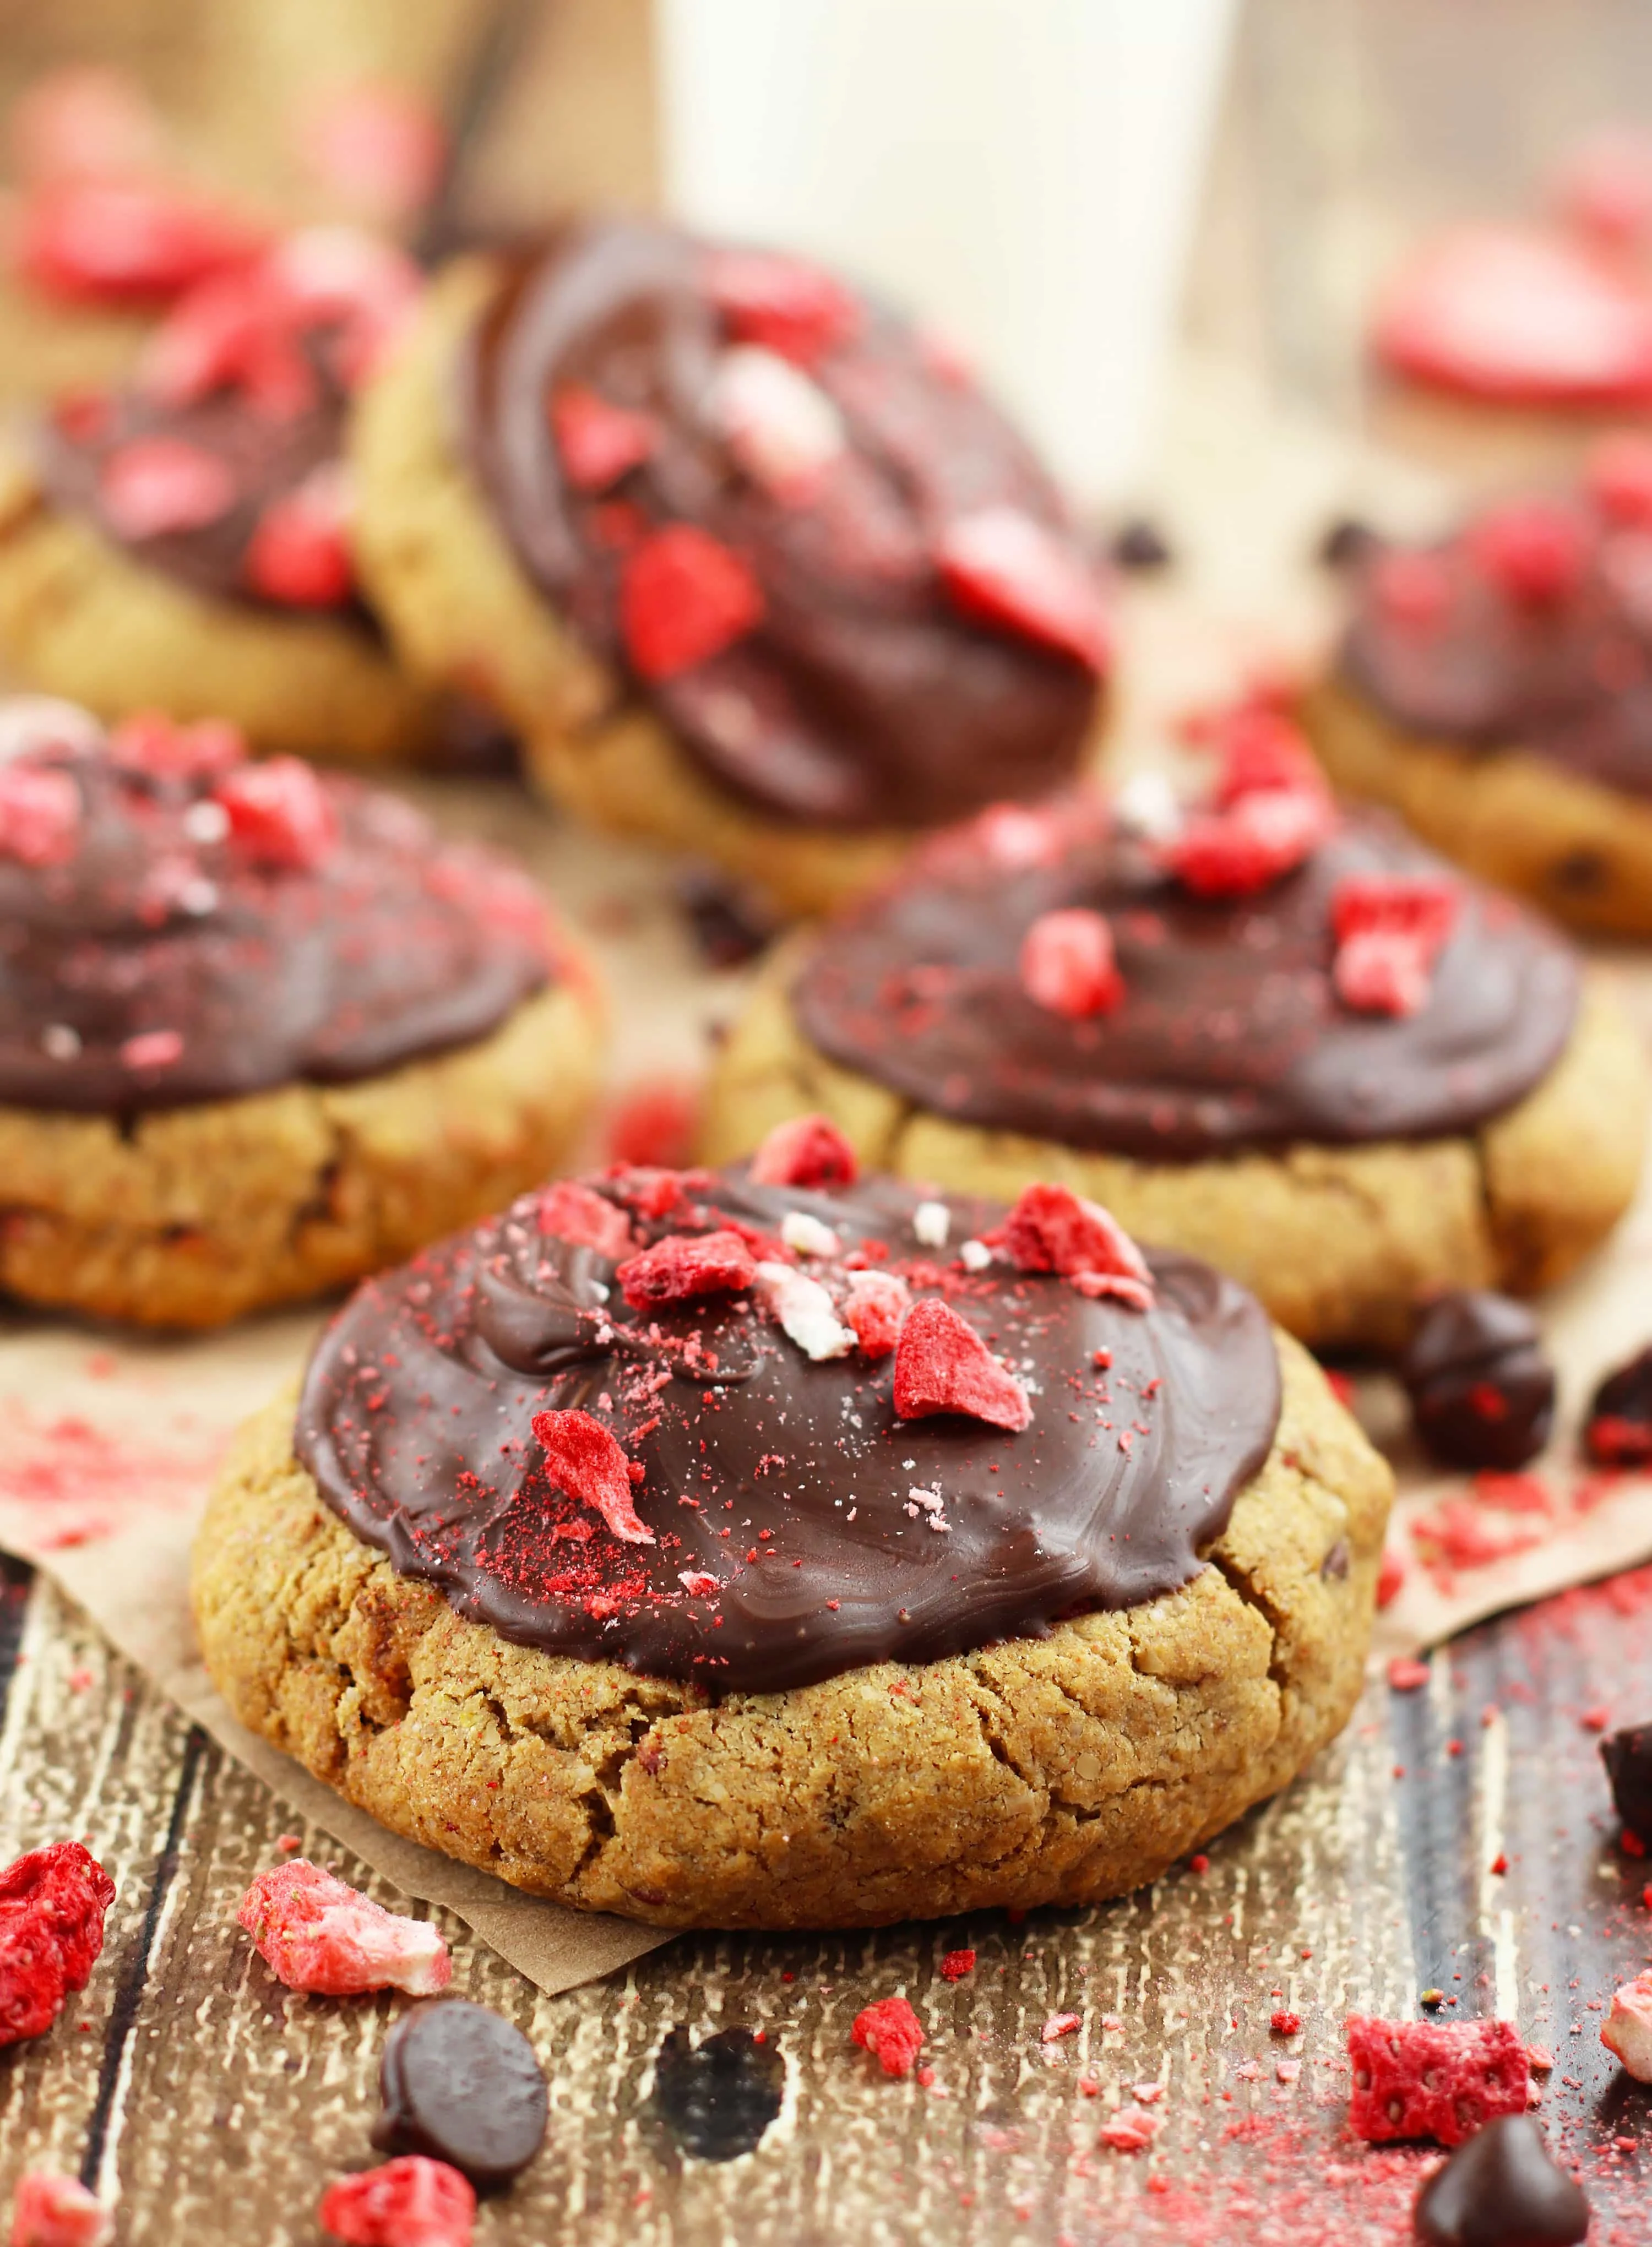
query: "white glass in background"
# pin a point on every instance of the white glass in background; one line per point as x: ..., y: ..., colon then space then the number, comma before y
x: 1023, y: 173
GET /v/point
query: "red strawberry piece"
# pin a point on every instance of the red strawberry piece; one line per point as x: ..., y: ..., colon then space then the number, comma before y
x: 891, y: 2032
x: 152, y: 1049
x: 571, y: 1212
x: 1257, y: 748
x: 411, y: 2202
x: 805, y: 1150
x: 1131, y: 2129
x: 231, y: 332
x: 942, y: 1365
x: 684, y: 597
x: 1533, y: 550
x: 39, y: 814
x: 1619, y: 476
x: 160, y: 484
x: 787, y: 306
x: 1389, y: 932
x: 126, y: 240
x: 583, y: 1460
x: 1521, y: 318
x: 653, y: 1125
x: 687, y: 1264
x: 1441, y: 2080
x: 80, y: 121
x: 1053, y: 1229
x: 1390, y: 1575
x: 876, y: 1303
x: 956, y: 1965
x: 339, y: 278
x: 82, y: 416
x: 280, y: 814
x: 1005, y: 569
x: 1410, y: 590
x: 1257, y: 840
x: 49, y: 2210
x: 52, y: 1903
x: 315, y: 1932
x: 1066, y: 964
x: 150, y: 742
x: 599, y: 442
x: 298, y: 555
x: 1286, y: 2024
x: 1604, y: 188
x: 380, y: 147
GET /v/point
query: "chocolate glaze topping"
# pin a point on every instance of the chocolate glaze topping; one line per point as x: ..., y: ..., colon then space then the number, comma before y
x: 1230, y: 1033
x: 1569, y: 677
x: 231, y: 974
x: 817, y: 1532
x: 863, y: 696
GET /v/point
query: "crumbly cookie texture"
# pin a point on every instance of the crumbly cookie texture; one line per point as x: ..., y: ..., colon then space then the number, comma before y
x: 1058, y: 1770
x: 464, y: 615
x: 1511, y: 816
x: 1338, y: 1242
x: 81, y: 619
x: 187, y: 1217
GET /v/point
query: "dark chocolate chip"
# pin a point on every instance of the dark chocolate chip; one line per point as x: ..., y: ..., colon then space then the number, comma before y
x: 718, y: 2097
x: 1334, y: 1566
x: 1618, y: 1432
x: 1345, y: 540
x: 729, y: 927
x: 1501, y: 2189
x: 1628, y: 1757
x: 1482, y: 1388
x: 1140, y: 544
x: 461, y: 2084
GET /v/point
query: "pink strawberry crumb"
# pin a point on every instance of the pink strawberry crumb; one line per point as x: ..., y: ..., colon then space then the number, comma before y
x: 1405, y: 1673
x: 956, y: 1965
x: 411, y: 2203
x: 1059, y: 2025
x: 1442, y: 2079
x: 891, y: 2032
x: 49, y: 2210
x: 586, y: 1459
x: 805, y: 1150
x: 1132, y: 2130
x: 1628, y: 2030
x: 317, y: 1934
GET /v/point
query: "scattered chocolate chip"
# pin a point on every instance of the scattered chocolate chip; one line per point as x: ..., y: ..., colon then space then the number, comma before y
x: 1580, y: 874
x: 718, y: 2097
x: 729, y: 926
x: 1482, y: 1390
x: 1500, y: 2189
x: 1618, y: 1432
x: 1628, y: 1757
x: 461, y: 2084
x: 1345, y: 540
x: 1140, y: 544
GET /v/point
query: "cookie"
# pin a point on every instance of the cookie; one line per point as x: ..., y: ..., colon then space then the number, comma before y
x: 757, y: 572
x: 785, y: 1568
x: 1494, y: 687
x: 261, y: 1031
x: 1342, y: 1120
x: 179, y: 541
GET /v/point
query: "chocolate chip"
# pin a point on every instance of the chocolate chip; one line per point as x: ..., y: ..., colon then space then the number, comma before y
x: 1482, y: 1390
x: 1580, y: 874
x: 1618, y: 1432
x: 1334, y: 1567
x: 461, y: 2084
x: 1501, y: 2189
x: 717, y: 2097
x: 1345, y: 540
x: 1628, y: 1757
x: 728, y: 926
x: 1140, y: 544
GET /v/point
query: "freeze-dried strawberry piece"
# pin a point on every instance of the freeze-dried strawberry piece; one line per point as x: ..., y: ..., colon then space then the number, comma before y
x: 159, y: 484
x: 807, y: 1314
x: 1628, y: 2028
x: 280, y: 814
x: 875, y: 1304
x: 39, y: 814
x: 1441, y: 2080
x: 1619, y: 475
x: 805, y: 1150
x: 599, y: 442
x: 1132, y: 2130
x: 956, y: 1965
x: 686, y: 1264
x: 380, y: 146
x: 125, y: 241
x: 1067, y: 965
x: 1604, y: 188
x: 684, y: 597
x: 1257, y: 749
x: 1533, y: 550
x: 1519, y: 315
x: 1411, y: 590
x: 584, y: 1460
x: 149, y: 741
x: 1257, y: 840
x: 315, y: 1932
x: 49, y: 2210
x: 651, y: 1124
x: 1053, y: 1229
x: 1005, y: 569
x: 411, y: 2202
x: 787, y: 306
x: 571, y: 1212
x: 1389, y: 932
x: 781, y: 428
x: 942, y: 1365
x: 299, y: 553
x: 52, y: 1903
x: 891, y: 2032
x: 229, y: 333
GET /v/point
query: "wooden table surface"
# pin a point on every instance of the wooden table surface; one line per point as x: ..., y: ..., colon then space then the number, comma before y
x: 216, y: 2106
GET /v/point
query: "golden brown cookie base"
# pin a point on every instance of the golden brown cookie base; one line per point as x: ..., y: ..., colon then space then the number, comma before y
x: 1060, y: 1770
x: 465, y: 617
x: 1339, y: 1242
x: 81, y: 619
x: 1510, y: 816
x: 192, y: 1216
